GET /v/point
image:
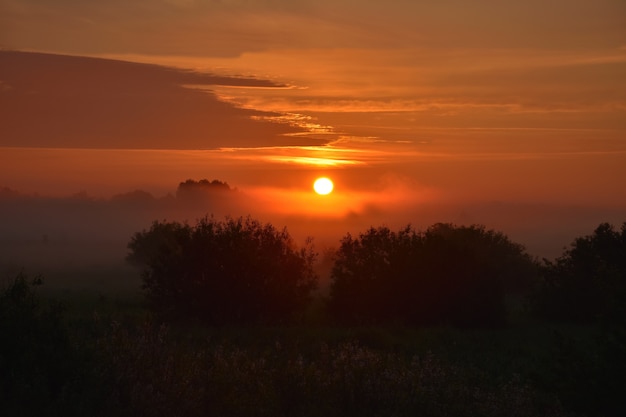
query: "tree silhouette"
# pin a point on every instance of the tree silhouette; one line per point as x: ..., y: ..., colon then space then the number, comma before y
x: 587, y: 285
x: 231, y: 271
x: 193, y: 190
x: 445, y: 275
x: 369, y: 274
x: 588, y: 282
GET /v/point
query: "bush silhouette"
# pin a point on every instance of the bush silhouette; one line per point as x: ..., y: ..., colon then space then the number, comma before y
x: 588, y: 282
x: 219, y: 272
x: 445, y: 275
x: 586, y: 285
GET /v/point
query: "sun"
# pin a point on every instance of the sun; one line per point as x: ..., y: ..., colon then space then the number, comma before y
x: 323, y: 186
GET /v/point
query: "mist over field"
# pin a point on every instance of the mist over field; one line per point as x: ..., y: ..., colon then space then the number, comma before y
x: 80, y: 242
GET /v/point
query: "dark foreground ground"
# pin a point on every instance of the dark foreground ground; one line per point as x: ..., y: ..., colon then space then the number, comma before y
x: 102, y: 355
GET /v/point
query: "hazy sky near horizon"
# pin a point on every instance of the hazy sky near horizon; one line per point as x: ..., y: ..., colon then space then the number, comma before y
x: 402, y: 102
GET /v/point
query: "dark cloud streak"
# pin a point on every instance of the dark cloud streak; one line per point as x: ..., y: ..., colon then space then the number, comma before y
x: 77, y: 102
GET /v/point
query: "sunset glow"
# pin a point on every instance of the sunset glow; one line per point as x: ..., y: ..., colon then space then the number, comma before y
x: 422, y: 112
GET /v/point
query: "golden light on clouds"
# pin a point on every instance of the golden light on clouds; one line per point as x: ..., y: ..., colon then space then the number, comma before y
x: 311, y: 156
x: 467, y: 102
x: 307, y: 160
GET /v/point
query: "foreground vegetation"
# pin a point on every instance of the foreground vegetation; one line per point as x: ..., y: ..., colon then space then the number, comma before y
x: 125, y: 363
x: 132, y: 359
x: 122, y: 365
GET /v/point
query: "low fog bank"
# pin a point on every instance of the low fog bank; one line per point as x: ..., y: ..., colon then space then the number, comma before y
x: 81, y: 242
x: 545, y: 230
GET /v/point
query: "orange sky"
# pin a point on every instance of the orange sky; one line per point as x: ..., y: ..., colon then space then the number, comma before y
x: 406, y: 104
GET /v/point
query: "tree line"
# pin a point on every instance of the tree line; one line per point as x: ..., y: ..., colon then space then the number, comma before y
x: 242, y: 271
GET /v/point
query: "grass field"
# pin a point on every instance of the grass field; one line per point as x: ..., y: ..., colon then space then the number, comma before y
x: 84, y: 352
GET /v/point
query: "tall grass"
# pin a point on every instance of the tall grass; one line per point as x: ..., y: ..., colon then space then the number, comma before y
x: 155, y: 375
x: 108, y: 359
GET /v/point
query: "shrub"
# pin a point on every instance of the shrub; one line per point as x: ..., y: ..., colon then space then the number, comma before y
x: 231, y: 271
x: 588, y: 282
x: 587, y: 286
x: 445, y: 275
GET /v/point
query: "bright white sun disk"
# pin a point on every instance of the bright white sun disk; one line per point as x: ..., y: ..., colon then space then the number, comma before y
x: 323, y: 186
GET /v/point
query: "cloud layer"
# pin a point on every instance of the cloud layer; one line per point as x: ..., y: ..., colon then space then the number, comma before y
x: 56, y: 101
